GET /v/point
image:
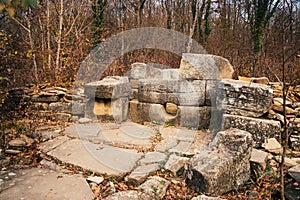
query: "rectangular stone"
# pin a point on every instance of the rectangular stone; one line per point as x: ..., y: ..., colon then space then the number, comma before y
x: 261, y: 129
x: 244, y: 98
x: 108, y: 88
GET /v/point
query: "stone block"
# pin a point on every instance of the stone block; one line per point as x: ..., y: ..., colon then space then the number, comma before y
x: 45, y: 98
x: 204, y: 66
x: 259, y: 157
x: 194, y: 117
x: 244, y: 98
x: 60, y: 106
x: 175, y: 163
x: 146, y: 112
x: 65, y: 117
x: 179, y: 92
x: 144, y: 71
x: 225, y: 161
x: 261, y: 129
x: 108, y: 88
x: 115, y: 109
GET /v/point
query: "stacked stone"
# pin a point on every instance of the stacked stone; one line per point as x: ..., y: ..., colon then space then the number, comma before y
x: 108, y: 99
x: 292, y: 110
x: 183, y: 96
x: 46, y: 101
x: 245, y: 104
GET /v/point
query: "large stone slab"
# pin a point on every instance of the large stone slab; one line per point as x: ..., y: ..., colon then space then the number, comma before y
x: 108, y: 88
x: 225, y: 161
x: 204, y: 66
x: 260, y: 129
x: 179, y: 92
x: 39, y: 183
x: 108, y: 160
x: 244, y: 98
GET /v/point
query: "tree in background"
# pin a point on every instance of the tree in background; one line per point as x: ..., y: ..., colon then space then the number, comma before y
x: 98, y: 7
x: 260, y: 13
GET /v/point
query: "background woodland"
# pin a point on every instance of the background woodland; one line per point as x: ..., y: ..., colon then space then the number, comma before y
x: 46, y: 41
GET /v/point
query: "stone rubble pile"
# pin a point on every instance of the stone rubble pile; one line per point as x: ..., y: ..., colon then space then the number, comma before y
x: 55, y: 103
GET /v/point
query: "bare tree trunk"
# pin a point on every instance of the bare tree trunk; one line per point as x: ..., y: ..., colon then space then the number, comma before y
x: 31, y: 43
x: 48, y: 36
x: 193, y: 22
x: 57, y: 67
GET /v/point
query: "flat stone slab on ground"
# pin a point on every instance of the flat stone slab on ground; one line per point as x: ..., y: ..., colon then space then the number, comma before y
x: 127, y: 133
x: 52, y: 144
x: 36, y: 184
x: 178, y: 134
x: 139, y: 174
x: 109, y: 160
x: 153, y: 157
x: 129, y: 195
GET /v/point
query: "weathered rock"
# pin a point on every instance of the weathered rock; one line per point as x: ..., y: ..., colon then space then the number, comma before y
x: 261, y: 129
x: 84, y: 120
x: 295, y: 172
x: 60, y: 106
x: 273, y: 146
x: 175, y: 163
x: 45, y: 97
x: 182, y: 148
x: 226, y: 161
x: 45, y: 184
x: 155, y: 186
x: 144, y: 71
x: 194, y: 117
x: 77, y: 108
x: 108, y: 88
x: 171, y: 108
x: 295, y: 142
x: 243, y: 98
x: 165, y: 145
x: 204, y: 66
x: 65, y: 117
x: 112, y: 110
x: 139, y: 174
x: 170, y: 74
x: 259, y: 157
x: 279, y: 101
x: 17, y: 143
x: 260, y: 80
x: 288, y: 162
x: 146, y: 112
x: 153, y: 157
x: 96, y: 179
x: 86, y: 155
x: 279, y: 108
x: 179, y: 92
x: 129, y: 195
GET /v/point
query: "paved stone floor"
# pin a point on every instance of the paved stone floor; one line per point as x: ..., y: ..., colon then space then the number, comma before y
x: 127, y: 150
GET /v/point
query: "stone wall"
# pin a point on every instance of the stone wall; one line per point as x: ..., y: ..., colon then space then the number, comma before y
x: 190, y: 97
